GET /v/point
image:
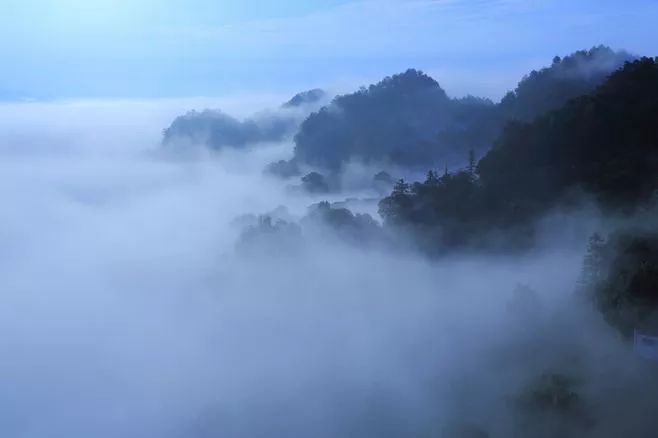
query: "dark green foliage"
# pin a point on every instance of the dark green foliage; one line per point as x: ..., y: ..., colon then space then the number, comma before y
x: 475, y: 124
x: 605, y: 144
x: 621, y: 277
x: 441, y: 211
x: 408, y: 119
x: 396, y: 208
x: 396, y: 120
x: 551, y: 87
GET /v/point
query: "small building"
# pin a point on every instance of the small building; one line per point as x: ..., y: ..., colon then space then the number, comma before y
x: 645, y: 341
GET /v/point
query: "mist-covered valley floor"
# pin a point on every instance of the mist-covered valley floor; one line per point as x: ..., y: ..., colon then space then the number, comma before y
x: 130, y: 308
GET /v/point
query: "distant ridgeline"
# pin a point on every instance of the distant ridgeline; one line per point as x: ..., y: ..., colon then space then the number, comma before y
x: 406, y: 120
x: 569, y: 77
x: 310, y: 97
x: 216, y: 130
x: 409, y: 120
x: 397, y: 120
x: 603, y: 145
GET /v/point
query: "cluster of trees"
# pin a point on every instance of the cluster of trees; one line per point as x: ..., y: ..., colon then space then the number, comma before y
x: 601, y: 146
x: 310, y: 97
x: 604, y: 143
x: 551, y: 87
x: 397, y: 120
x: 316, y: 183
x: 271, y: 233
x: 620, y: 275
x: 409, y: 120
x: 354, y: 228
x: 216, y: 130
x: 271, y: 237
x: 441, y: 211
x: 406, y: 120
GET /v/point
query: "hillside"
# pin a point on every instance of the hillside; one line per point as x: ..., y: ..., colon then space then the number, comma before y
x: 409, y: 120
x: 603, y: 146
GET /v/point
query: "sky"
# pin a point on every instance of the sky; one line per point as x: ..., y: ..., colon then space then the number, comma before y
x: 130, y: 305
x: 69, y: 49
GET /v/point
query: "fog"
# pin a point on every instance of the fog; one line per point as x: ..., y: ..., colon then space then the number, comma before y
x: 126, y: 309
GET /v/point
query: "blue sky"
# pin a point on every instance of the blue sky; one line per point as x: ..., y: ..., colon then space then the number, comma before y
x: 54, y: 49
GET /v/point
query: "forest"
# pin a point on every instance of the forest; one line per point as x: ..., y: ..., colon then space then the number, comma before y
x: 580, y: 133
x: 395, y: 260
x: 329, y: 219
x: 599, y: 147
x: 594, y: 148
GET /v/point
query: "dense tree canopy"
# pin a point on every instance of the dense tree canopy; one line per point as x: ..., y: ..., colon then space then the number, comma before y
x: 409, y: 120
x: 355, y: 228
x: 396, y: 120
x: 621, y: 276
x: 551, y: 87
x: 405, y: 120
x: 605, y: 144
